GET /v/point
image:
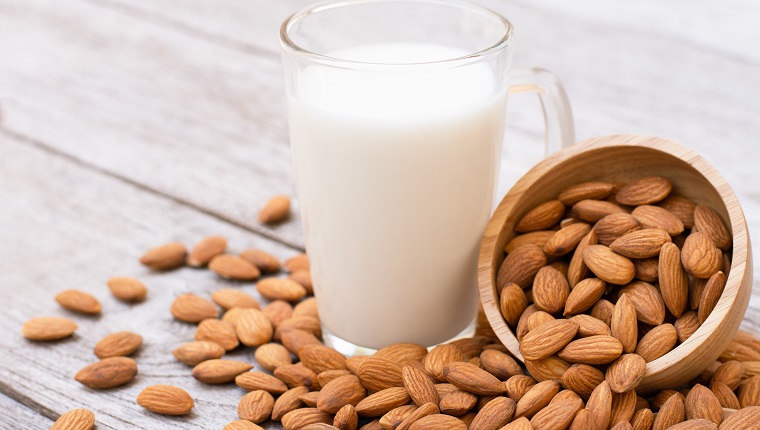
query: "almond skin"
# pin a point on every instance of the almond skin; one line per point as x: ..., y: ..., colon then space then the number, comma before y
x: 270, y: 356
x: 614, y: 226
x: 702, y: 403
x: 127, y: 289
x: 547, y: 339
x: 681, y: 208
x: 725, y: 396
x: 253, y: 328
x: 419, y: 386
x: 472, y: 379
x: 123, y: 343
x: 75, y: 419
x: 494, y: 414
x: 700, y: 257
x: 276, y: 210
x: 242, y: 425
x: 378, y: 374
x: 320, y: 358
x: 165, y: 257
x: 108, y: 373
x: 49, y: 328
x: 582, y: 379
x: 521, y: 266
x: 590, y: 326
x: 229, y: 298
x: 710, y: 295
x: 642, y: 419
x: 193, y: 309
x: 346, y: 418
x: 594, y: 210
x: 79, y: 301
x: 625, y: 373
x: 550, y: 290
x: 264, y: 261
x: 657, y: 342
x: 537, y: 238
x: 233, y: 267
x: 599, y: 406
x: 687, y: 325
x: 641, y: 243
x: 208, y: 248
x: 585, y: 190
x: 518, y: 424
x: 419, y: 413
x: 438, y: 421
x: 623, y: 407
x: 217, y: 371
x: 382, y: 402
x: 294, y: 340
x: 536, y: 398
x: 499, y: 364
x: 623, y: 325
x: 256, y: 406
x: 644, y: 191
x: 646, y: 269
x: 218, y: 331
x: 671, y: 413
x: 542, y: 217
x: 608, y: 266
x: 278, y: 311
x: 165, y: 400
x: 551, y: 367
x: 566, y: 239
x: 674, y: 283
x: 744, y: 419
x: 281, y: 289
x: 592, y: 350
x: 557, y: 415
x: 287, y: 402
x: 439, y: 357
x: 518, y: 385
x: 196, y: 352
x: 512, y: 302
x: 577, y: 269
x: 657, y: 217
x: 647, y: 301
x: 584, y: 295
x: 707, y: 221
x: 251, y: 381
x: 749, y: 393
x: 300, y: 418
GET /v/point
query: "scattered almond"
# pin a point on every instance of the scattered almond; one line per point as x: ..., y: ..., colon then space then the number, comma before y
x: 107, y: 373
x: 218, y: 371
x: 208, y: 248
x: 229, y: 298
x: 75, y: 419
x: 196, y: 352
x: 48, y: 328
x: 264, y: 261
x: 193, y: 309
x: 165, y: 257
x: 127, y: 289
x: 275, y: 210
x: 256, y: 406
x: 122, y: 343
x: 233, y: 267
x: 165, y: 400
x: 79, y: 301
x: 218, y: 331
x: 281, y: 289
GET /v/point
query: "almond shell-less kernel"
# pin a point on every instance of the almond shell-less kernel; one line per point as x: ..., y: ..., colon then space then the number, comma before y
x: 165, y: 400
x: 208, y: 248
x: 127, y: 289
x: 165, y: 257
x: 231, y: 266
x: 79, y: 301
x: 75, y: 419
x: 121, y: 343
x: 193, y: 353
x: 48, y: 328
x: 521, y: 266
x: 107, y: 373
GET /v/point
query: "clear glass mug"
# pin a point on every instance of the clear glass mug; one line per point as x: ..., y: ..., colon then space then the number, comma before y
x: 396, y: 114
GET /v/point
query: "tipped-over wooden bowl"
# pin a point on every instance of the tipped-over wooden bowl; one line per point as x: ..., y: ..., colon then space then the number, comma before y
x: 621, y: 158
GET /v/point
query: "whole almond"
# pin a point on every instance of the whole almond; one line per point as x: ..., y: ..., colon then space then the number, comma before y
x: 623, y: 325
x: 550, y: 290
x: 548, y: 339
x: 707, y: 221
x: 541, y: 217
x: 278, y: 311
x: 582, y: 421
x: 566, y: 239
x: 499, y: 364
x: 608, y: 266
x: 79, y: 301
x: 378, y: 374
x: 582, y: 379
x: 594, y: 210
x: 419, y: 386
x: 233, y: 267
x: 165, y: 400
x: 270, y: 356
x: 522, y: 324
x: 328, y: 375
x: 625, y: 373
x: 310, y: 398
x: 744, y: 419
x: 346, y: 418
x: 641, y: 243
x: 295, y: 375
x: 303, y: 277
x: 400, y: 353
x: 107, y: 373
x: 623, y: 407
x: 208, y: 248
x: 294, y: 340
x: 231, y: 316
x: 646, y: 269
x: 696, y: 288
x: 521, y: 266
x: 512, y: 302
x: 122, y: 343
x: 276, y: 210
x: 577, y: 270
x: 518, y: 385
x: 296, y: 263
x: 253, y: 328
x: 657, y: 342
x: 686, y: 325
x: 472, y: 379
x: 518, y: 424
x: 702, y: 403
x: 642, y: 419
x: 419, y: 413
x: 320, y: 358
x: 656, y: 217
x: 538, y: 319
x: 305, y: 323
x: 614, y: 226
x: 438, y: 421
x: 193, y: 309
x: 749, y: 393
x: 558, y: 415
x: 264, y: 261
x: 584, y: 295
x: 551, y: 367
x: 695, y: 424
x: 681, y: 208
x: 218, y: 331
x: 647, y: 301
x: 229, y: 298
x: 599, y: 406
x: 196, y: 352
x: 439, y: 357
x: 495, y: 414
x: 725, y: 396
x: 127, y: 289
x: 674, y: 283
x: 242, y: 425
x: 394, y: 417
x: 590, y: 326
x: 603, y: 310
x: 644, y: 191
x: 75, y: 419
x: 671, y: 413
x: 48, y: 328
x: 281, y: 289
x: 217, y: 371
x: 287, y: 402
x: 256, y: 406
x: 307, y: 307
x: 537, y: 238
x: 585, y: 190
x: 165, y: 257
x: 700, y: 257
x: 592, y: 350
x: 251, y: 381
x: 300, y: 418
x: 536, y: 398
x: 710, y: 295
x: 382, y: 402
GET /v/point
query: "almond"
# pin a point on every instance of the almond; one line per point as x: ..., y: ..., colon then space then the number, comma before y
x: 614, y: 226
x: 521, y: 266
x: 472, y: 379
x: 518, y: 385
x: 707, y: 221
x: 538, y: 319
x: 749, y: 393
x: 686, y: 325
x: 594, y: 210
x: 275, y: 210
x: 287, y: 402
x: 419, y: 413
x: 229, y: 298
x: 233, y: 267
x: 303, y: 277
x: 495, y: 414
x: 582, y: 379
x: 75, y: 419
x: 208, y: 248
x: 281, y: 289
x: 256, y: 406
x: 590, y: 326
x: 328, y: 375
x: 196, y: 352
x: 702, y: 403
x: 270, y: 356
x: 499, y: 364
x: 307, y: 307
x: 582, y: 421
x: 550, y: 290
x: 253, y: 328
x: 599, y: 406
x: 696, y: 288
x: 49, y: 328
x: 547, y: 339
x: 674, y: 283
x: 438, y: 421
x: 193, y: 309
x: 522, y: 325
x: 218, y: 331
x: 346, y: 418
x: 558, y: 415
x: 744, y: 419
x: 585, y: 190
x: 541, y: 217
x: 295, y: 375
x: 566, y: 239
x: 537, y: 238
x: 602, y: 311
x: 711, y: 294
x: 78, y: 301
x: 681, y: 208
x: 623, y: 324
x: 107, y: 373
x: 300, y: 418
x: 296, y: 263
x: 584, y: 295
x: 439, y: 357
x: 657, y: 342
x: 660, y: 398
x: 310, y: 398
x: 577, y: 269
x: 725, y: 396
x: 642, y: 419
x: 644, y: 191
x: 641, y: 243
x: 623, y: 407
x: 217, y: 371
x: 278, y: 311
x: 695, y: 424
x: 700, y: 257
x: 122, y: 343
x: 320, y: 358
x: 394, y: 417
x: 165, y: 257
x: 251, y: 381
x: 264, y: 261
x: 378, y: 374
x: 127, y: 289
x: 419, y: 386
x: 518, y: 424
x: 646, y: 269
x: 647, y: 301
x: 294, y: 340
x: 592, y: 350
x: 551, y: 367
x: 165, y: 400
x: 382, y: 402
x: 242, y: 425
x: 608, y: 266
x: 512, y: 302
x: 625, y: 373
x: 304, y: 323
x: 657, y: 217
x: 671, y: 413
x: 536, y: 398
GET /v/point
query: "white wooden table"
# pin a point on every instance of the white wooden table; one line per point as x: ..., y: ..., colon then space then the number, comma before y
x: 126, y: 124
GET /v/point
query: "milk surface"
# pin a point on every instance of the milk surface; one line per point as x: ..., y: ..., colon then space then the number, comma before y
x: 395, y: 174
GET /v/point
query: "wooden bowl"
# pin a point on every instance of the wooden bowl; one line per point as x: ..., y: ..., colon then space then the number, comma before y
x: 621, y: 158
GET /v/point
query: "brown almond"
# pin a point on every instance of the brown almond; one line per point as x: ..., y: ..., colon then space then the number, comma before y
x: 196, y: 352
x: 657, y: 342
x: 127, y: 289
x: 107, y: 373
x: 681, y: 208
x: 79, y: 301
x: 401, y: 353
x: 550, y: 290
x: 725, y: 396
x: 495, y: 414
x: 537, y: 238
x: 382, y: 402
x: 577, y: 270
x: 647, y: 301
x: 702, y: 403
x: 538, y: 319
x: 548, y: 339
x: 744, y: 419
x: 345, y: 390
x: 646, y: 269
x: 707, y: 221
x: 300, y: 418
x: 296, y: 263
x: 378, y: 374
x: 558, y: 415
x: 328, y: 375
x: 590, y: 326
x: 582, y: 421
x: 594, y: 210
x: 700, y: 257
x: 294, y: 340
x: 592, y: 350
x: 674, y: 283
x: 599, y: 406
x: 608, y: 266
x: 419, y: 413
x: 541, y: 217
x: 251, y: 381
x: 394, y: 417
x: 641, y: 243
x: 623, y: 325
x: 566, y: 239
x: 749, y: 393
x: 644, y: 191
x: 276, y: 210
x: 295, y: 375
x: 253, y: 328
x: 614, y: 226
x: 281, y: 289
x: 218, y: 331
x: 233, y: 267
x: 303, y: 277
x: 518, y: 424
x: 346, y: 418
x: 521, y: 266
x: 585, y: 190
x: 518, y: 385
x: 270, y: 356
x: 584, y: 295
x: 307, y: 307
x: 75, y: 419
x: 287, y: 402
x: 642, y: 420
x: 695, y: 424
x: 165, y: 400
x: 320, y: 358
x: 208, y: 248
x: 696, y: 288
x: 671, y: 413
x: 439, y: 357
x: 305, y: 323
x: 512, y: 302
x: 686, y: 325
x: 242, y: 425
x: 623, y: 407
x: 218, y: 371
x: 660, y: 398
x: 278, y: 311
x: 419, y: 386
x: 256, y: 406
x: 122, y: 343
x: 310, y: 398
x: 48, y: 328
x: 499, y: 364
x: 656, y: 217
x: 193, y: 309
x: 438, y: 421
x: 264, y: 261
x: 536, y: 398
x: 472, y: 379
x: 710, y: 296
x: 551, y: 367
x: 165, y: 257
x: 603, y: 310
x: 582, y: 379
x: 625, y: 373
x: 231, y: 316
x: 229, y: 298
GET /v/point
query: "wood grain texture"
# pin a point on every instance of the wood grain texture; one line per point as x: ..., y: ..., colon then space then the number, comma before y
x: 14, y: 415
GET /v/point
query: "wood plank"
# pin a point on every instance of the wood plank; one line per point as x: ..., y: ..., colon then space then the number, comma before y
x: 75, y: 228
x: 14, y: 415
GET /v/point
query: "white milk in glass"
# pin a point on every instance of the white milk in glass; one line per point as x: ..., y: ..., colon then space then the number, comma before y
x: 395, y: 173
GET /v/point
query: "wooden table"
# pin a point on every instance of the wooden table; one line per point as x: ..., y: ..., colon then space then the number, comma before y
x: 127, y: 124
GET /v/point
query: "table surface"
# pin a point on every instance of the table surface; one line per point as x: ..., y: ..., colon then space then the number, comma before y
x: 126, y: 124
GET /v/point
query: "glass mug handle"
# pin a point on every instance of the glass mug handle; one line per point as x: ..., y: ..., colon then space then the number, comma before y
x: 558, y: 117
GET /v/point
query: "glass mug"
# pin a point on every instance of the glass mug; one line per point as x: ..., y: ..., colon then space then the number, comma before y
x: 396, y: 115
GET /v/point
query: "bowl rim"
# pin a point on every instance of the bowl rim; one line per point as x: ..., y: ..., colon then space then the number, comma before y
x: 741, y: 262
